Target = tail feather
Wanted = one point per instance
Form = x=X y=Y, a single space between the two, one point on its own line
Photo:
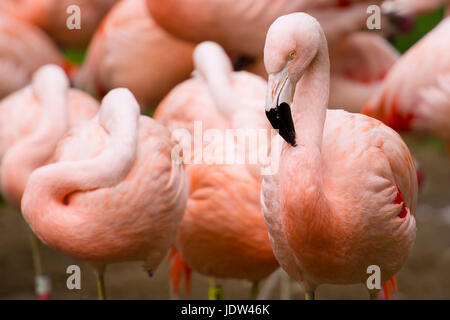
x=179 y=267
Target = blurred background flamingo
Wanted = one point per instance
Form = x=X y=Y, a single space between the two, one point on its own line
x=414 y=97
x=346 y=192
x=52 y=15
x=129 y=49
x=240 y=26
x=23 y=49
x=33 y=120
x=93 y=203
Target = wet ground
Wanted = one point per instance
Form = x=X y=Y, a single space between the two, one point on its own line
x=426 y=274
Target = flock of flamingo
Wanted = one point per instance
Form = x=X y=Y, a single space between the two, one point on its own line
x=97 y=181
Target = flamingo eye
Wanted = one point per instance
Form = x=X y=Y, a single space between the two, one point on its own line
x=291 y=55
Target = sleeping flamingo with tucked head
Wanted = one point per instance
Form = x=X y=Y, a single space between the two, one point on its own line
x=346 y=191
x=114 y=193
x=223 y=233
x=418 y=98
x=33 y=120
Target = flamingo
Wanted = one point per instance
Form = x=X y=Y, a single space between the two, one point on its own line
x=418 y=98
x=23 y=49
x=222 y=234
x=129 y=49
x=113 y=192
x=345 y=195
x=33 y=120
x=240 y=26
x=52 y=16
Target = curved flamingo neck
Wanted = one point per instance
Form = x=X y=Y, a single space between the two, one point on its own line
x=50 y=86
x=119 y=117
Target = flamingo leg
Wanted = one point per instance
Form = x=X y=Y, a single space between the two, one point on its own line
x=269 y=285
x=215 y=292
x=285 y=286
x=101 y=286
x=310 y=295
x=254 y=290
x=42 y=282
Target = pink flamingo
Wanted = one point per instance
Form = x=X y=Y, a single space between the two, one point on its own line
x=23 y=49
x=113 y=192
x=52 y=16
x=223 y=233
x=418 y=98
x=33 y=120
x=345 y=194
x=240 y=26
x=130 y=50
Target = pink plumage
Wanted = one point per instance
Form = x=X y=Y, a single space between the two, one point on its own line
x=33 y=121
x=223 y=233
x=52 y=16
x=24 y=48
x=130 y=50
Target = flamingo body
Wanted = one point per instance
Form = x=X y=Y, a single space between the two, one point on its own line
x=130 y=50
x=416 y=94
x=23 y=49
x=52 y=16
x=359 y=63
x=240 y=26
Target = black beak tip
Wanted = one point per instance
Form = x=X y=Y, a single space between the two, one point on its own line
x=281 y=119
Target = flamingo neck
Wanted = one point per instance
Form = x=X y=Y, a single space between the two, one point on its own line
x=309 y=112
x=105 y=170
x=218 y=80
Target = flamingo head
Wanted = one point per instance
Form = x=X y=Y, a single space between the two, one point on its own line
x=292 y=43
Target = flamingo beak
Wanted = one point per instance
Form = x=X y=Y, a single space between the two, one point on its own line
x=278 y=105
